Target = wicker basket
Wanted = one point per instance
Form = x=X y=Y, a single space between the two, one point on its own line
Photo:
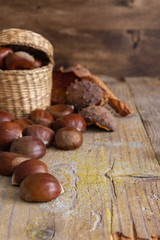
x=22 y=91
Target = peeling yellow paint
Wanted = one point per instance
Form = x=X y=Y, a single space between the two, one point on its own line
x=36 y=230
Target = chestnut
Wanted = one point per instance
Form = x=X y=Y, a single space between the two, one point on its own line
x=19 y=60
x=9 y=161
x=27 y=168
x=71 y=120
x=38 y=63
x=6 y=116
x=45 y=134
x=40 y=187
x=23 y=122
x=30 y=146
x=68 y=138
x=9 y=131
x=4 y=52
x=60 y=110
x=41 y=117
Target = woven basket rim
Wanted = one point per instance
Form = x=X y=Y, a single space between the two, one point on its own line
x=17 y=40
x=26 y=71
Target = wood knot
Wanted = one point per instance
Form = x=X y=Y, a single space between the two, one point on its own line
x=135 y=37
x=127 y=3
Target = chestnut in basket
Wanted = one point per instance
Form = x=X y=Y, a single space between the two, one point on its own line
x=45 y=134
x=40 y=187
x=6 y=116
x=19 y=60
x=60 y=110
x=68 y=138
x=38 y=63
x=27 y=168
x=4 y=52
x=9 y=131
x=71 y=120
x=30 y=146
x=41 y=117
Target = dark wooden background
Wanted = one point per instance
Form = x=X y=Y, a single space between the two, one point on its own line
x=115 y=37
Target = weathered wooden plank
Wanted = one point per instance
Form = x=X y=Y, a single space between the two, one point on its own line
x=110 y=37
x=133 y=155
x=91 y=206
x=112 y=52
x=90 y=14
x=138 y=200
x=146 y=93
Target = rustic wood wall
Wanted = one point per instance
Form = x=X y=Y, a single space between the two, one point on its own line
x=114 y=37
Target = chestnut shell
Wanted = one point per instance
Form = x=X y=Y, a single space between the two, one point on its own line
x=99 y=116
x=83 y=93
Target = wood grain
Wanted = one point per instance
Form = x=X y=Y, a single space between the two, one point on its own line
x=110 y=181
x=147 y=100
x=137 y=200
x=80 y=14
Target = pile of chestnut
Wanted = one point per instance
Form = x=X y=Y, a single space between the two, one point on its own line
x=17 y=60
x=23 y=141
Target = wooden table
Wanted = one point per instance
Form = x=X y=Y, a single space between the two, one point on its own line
x=112 y=180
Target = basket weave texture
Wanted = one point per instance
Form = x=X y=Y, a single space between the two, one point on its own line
x=22 y=91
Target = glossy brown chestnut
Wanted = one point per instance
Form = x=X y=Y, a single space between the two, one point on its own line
x=38 y=63
x=30 y=146
x=27 y=168
x=68 y=138
x=9 y=161
x=9 y=131
x=60 y=110
x=6 y=116
x=4 y=52
x=19 y=60
x=24 y=122
x=40 y=187
x=41 y=117
x=45 y=134
x=71 y=120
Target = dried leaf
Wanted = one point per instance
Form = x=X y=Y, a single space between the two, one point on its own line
x=113 y=101
x=61 y=80
x=78 y=70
